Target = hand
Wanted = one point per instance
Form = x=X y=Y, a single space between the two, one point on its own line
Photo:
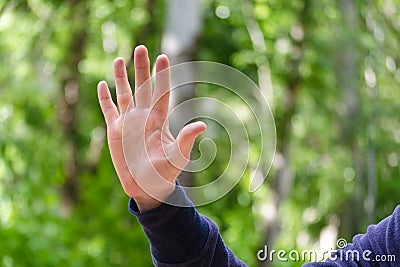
x=153 y=158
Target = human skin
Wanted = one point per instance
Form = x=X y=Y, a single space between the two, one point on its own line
x=155 y=158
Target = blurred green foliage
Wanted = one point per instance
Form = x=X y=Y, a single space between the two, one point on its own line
x=60 y=200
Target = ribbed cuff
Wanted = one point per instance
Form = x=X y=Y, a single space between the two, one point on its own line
x=176 y=234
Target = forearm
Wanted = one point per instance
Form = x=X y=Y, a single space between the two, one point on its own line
x=175 y=233
x=180 y=236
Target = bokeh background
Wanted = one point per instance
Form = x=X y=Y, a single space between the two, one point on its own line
x=330 y=70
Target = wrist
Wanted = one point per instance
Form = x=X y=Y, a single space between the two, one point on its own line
x=147 y=202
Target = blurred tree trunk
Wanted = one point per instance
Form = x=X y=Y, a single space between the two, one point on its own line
x=284 y=176
x=69 y=78
x=371 y=169
x=370 y=201
x=348 y=81
x=183 y=25
x=259 y=46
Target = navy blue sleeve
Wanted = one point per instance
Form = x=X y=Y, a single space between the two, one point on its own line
x=180 y=236
x=379 y=246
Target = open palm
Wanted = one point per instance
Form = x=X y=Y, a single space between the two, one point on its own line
x=146 y=157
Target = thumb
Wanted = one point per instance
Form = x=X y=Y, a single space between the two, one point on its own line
x=187 y=136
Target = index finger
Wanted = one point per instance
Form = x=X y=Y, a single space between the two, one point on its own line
x=124 y=92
